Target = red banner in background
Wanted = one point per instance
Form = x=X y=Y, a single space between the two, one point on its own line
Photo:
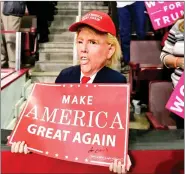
x=81 y=123
x=163 y=14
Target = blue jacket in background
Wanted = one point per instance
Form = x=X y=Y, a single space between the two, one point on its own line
x=14 y=8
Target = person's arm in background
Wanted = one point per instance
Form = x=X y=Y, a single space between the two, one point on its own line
x=167 y=57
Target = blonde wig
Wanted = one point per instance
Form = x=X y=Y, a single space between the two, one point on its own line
x=181 y=26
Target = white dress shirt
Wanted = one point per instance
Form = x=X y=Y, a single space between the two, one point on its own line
x=91 y=80
x=121 y=4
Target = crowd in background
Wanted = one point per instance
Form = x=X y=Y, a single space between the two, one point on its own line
x=11 y=18
x=44 y=11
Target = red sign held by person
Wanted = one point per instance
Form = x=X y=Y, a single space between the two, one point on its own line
x=163 y=14
x=76 y=122
x=176 y=102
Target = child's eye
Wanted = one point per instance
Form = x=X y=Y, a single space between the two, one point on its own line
x=92 y=42
x=79 y=41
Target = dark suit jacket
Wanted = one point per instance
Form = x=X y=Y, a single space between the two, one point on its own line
x=105 y=75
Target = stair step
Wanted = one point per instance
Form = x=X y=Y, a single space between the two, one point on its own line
x=65 y=18
x=57 y=30
x=56 y=50
x=51 y=66
x=56 y=45
x=63 y=21
x=70 y=12
x=56 y=56
x=67 y=4
x=75 y=11
x=62 y=61
x=74 y=5
x=17 y=107
x=44 y=77
x=42 y=74
x=95 y=7
x=63 y=37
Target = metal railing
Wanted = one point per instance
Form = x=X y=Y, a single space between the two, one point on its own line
x=18 y=51
x=17 y=47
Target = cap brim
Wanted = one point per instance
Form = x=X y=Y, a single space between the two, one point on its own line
x=74 y=27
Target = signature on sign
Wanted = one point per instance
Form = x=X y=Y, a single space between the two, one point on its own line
x=97 y=150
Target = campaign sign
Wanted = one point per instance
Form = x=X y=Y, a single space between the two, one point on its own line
x=163 y=14
x=86 y=123
x=176 y=102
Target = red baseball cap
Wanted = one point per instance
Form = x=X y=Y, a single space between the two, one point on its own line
x=97 y=20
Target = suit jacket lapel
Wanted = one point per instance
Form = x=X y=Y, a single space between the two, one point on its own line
x=76 y=74
x=100 y=77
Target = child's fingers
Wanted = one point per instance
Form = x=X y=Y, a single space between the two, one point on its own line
x=115 y=164
x=13 y=147
x=111 y=167
x=17 y=146
x=123 y=169
x=128 y=163
x=21 y=147
x=26 y=151
x=119 y=167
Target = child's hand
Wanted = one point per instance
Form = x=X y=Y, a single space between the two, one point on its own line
x=19 y=147
x=117 y=167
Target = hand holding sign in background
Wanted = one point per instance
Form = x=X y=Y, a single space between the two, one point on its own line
x=82 y=123
x=163 y=14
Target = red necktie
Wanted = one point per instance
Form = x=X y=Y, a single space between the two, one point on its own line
x=85 y=79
